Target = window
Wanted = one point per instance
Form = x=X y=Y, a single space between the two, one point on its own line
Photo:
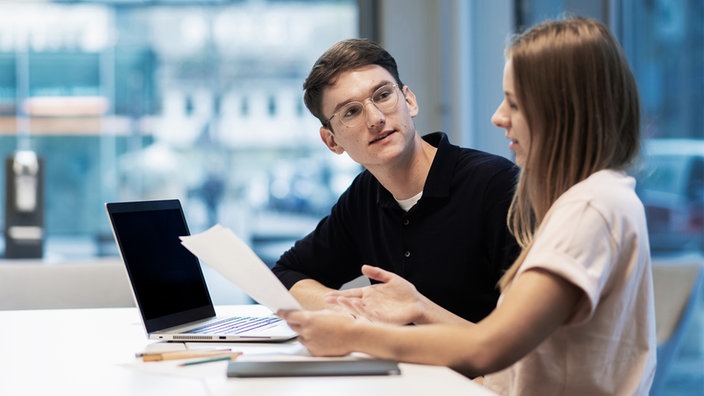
x=664 y=43
x=196 y=100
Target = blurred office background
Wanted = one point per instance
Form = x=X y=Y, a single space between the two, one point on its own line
x=201 y=100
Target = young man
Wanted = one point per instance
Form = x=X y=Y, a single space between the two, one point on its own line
x=424 y=209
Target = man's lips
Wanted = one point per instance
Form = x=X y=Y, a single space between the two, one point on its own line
x=381 y=137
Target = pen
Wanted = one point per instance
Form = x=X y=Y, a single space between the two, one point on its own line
x=155 y=357
x=228 y=356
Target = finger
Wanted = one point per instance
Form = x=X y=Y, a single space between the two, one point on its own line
x=341 y=305
x=330 y=299
x=352 y=305
x=334 y=300
x=377 y=273
x=356 y=292
x=292 y=317
x=358 y=309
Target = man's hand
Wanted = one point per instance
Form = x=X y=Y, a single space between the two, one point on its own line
x=393 y=301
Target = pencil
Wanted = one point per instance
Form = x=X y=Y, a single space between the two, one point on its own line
x=156 y=357
x=228 y=356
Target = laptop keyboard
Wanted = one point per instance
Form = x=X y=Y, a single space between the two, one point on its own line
x=235 y=325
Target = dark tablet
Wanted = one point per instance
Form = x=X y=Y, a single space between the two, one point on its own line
x=312 y=368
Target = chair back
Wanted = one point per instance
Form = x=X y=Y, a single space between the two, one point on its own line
x=100 y=283
x=677 y=286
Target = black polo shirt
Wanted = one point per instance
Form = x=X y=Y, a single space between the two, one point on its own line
x=453 y=245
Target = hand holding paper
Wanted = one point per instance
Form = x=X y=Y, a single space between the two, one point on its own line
x=221 y=249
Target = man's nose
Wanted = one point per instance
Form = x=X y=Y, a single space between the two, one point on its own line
x=372 y=114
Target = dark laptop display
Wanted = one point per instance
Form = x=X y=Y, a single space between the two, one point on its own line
x=167 y=280
x=166 y=277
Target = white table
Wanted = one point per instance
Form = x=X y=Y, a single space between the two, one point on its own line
x=92 y=352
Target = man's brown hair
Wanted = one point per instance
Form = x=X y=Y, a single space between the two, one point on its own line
x=343 y=56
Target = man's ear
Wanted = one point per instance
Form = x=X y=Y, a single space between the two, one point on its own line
x=328 y=138
x=411 y=101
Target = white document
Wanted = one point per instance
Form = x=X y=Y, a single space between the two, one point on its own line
x=221 y=249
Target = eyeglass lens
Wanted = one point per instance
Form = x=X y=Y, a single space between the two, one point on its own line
x=384 y=98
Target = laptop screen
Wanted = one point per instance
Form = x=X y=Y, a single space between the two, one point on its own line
x=167 y=279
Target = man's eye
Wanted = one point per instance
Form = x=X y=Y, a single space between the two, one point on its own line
x=351 y=112
x=382 y=95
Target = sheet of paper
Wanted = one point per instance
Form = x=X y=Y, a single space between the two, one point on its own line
x=221 y=249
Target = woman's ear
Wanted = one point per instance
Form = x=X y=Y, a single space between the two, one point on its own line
x=328 y=138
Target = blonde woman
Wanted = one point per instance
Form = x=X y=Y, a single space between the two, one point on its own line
x=576 y=313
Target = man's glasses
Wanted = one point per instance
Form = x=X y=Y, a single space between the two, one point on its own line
x=352 y=114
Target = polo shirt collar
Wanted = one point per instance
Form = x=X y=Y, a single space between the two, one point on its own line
x=437 y=185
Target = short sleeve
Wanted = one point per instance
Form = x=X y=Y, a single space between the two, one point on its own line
x=575 y=244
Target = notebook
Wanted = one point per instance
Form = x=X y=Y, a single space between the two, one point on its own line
x=167 y=280
x=312 y=368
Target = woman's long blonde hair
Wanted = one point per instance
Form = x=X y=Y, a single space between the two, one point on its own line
x=581 y=103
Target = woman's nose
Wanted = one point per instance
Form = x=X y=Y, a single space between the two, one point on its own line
x=499 y=118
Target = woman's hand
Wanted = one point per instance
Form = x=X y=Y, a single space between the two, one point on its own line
x=324 y=333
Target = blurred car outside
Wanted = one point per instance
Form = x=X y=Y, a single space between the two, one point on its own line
x=670 y=182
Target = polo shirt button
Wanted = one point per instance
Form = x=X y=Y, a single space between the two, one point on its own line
x=406 y=222
x=407 y=254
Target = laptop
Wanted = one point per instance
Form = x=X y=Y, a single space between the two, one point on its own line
x=168 y=283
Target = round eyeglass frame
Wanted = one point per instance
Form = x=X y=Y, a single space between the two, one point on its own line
x=361 y=104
